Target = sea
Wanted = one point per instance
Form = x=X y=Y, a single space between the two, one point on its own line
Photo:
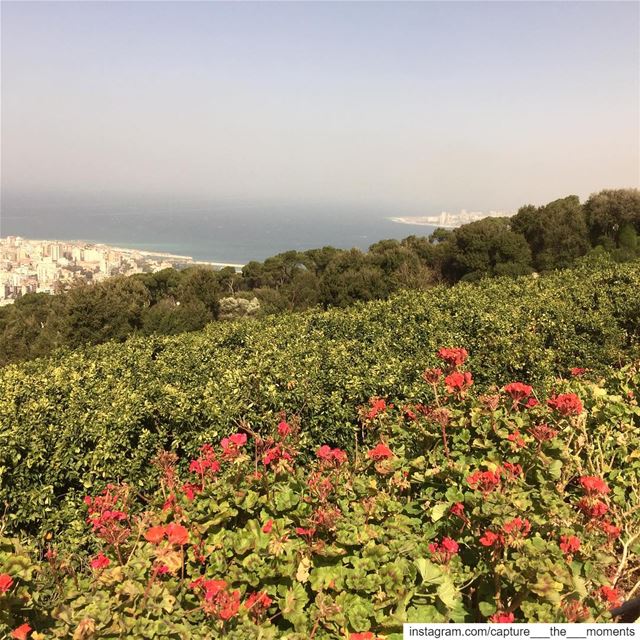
x=227 y=232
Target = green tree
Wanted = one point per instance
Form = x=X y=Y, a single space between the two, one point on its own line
x=556 y=233
x=486 y=247
x=610 y=211
x=351 y=277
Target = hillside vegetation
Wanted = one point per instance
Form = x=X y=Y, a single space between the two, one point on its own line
x=70 y=423
x=541 y=239
x=454 y=506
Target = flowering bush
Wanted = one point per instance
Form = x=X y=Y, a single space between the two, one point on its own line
x=449 y=507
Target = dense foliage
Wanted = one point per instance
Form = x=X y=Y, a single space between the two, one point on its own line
x=537 y=238
x=453 y=506
x=71 y=423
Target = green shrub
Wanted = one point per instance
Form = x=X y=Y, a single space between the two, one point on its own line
x=71 y=422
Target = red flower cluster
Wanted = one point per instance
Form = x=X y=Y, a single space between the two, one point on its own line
x=380 y=452
x=517 y=439
x=454 y=356
x=443 y=552
x=610 y=595
x=514 y=470
x=106 y=514
x=206 y=466
x=609 y=529
x=218 y=601
x=100 y=561
x=331 y=456
x=566 y=404
x=518 y=391
x=175 y=533
x=305 y=533
x=569 y=544
x=231 y=445
x=284 y=429
x=364 y=635
x=458 y=382
x=543 y=432
x=275 y=455
x=594 y=485
x=378 y=405
x=257 y=604
x=489 y=539
x=502 y=616
x=576 y=372
x=592 y=507
x=485 y=481
x=517 y=528
x=6 y=581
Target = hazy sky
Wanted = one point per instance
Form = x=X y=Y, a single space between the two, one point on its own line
x=416 y=106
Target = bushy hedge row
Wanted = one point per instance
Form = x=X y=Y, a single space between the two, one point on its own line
x=70 y=422
x=464 y=507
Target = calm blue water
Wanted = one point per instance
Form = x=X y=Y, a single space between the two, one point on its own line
x=228 y=232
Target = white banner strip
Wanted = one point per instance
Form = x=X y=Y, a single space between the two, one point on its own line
x=531 y=631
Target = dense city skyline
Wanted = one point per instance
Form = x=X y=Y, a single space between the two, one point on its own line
x=423 y=106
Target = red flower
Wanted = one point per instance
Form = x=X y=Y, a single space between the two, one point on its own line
x=177 y=534
x=569 y=544
x=517 y=439
x=228 y=604
x=331 y=456
x=257 y=603
x=502 y=617
x=445 y=550
x=576 y=372
x=610 y=595
x=486 y=481
x=593 y=485
x=231 y=445
x=308 y=533
x=100 y=561
x=5 y=582
x=378 y=405
x=432 y=376
x=490 y=538
x=154 y=535
x=206 y=464
x=611 y=530
x=284 y=429
x=592 y=508
x=190 y=490
x=267 y=526
x=380 y=452
x=566 y=404
x=212 y=588
x=450 y=545
x=513 y=468
x=363 y=635
x=274 y=455
x=531 y=402
x=458 y=509
x=454 y=357
x=21 y=632
x=518 y=391
x=517 y=528
x=458 y=382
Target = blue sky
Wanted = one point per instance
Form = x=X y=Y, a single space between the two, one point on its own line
x=418 y=106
